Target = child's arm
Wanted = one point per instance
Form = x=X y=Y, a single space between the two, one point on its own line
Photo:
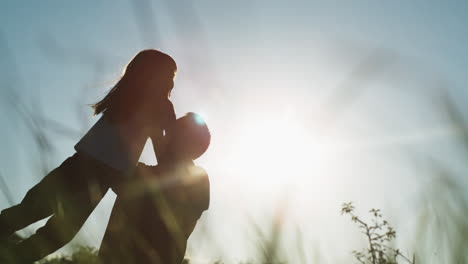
x=157 y=139
x=162 y=134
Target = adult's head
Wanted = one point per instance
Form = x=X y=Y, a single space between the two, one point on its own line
x=148 y=77
x=190 y=137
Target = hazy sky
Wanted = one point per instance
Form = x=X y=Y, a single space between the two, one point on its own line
x=316 y=101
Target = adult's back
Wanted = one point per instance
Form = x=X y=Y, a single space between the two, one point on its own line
x=153 y=217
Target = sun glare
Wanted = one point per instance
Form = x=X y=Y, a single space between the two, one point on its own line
x=276 y=152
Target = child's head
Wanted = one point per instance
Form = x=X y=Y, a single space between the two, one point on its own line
x=190 y=137
x=148 y=77
x=152 y=70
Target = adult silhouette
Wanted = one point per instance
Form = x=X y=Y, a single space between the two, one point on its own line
x=156 y=211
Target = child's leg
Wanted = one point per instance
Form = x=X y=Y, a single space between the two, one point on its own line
x=36 y=205
x=58 y=231
x=70 y=193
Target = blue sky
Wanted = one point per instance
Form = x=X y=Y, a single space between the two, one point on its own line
x=250 y=67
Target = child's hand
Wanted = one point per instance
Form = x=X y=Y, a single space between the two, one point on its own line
x=168 y=109
x=168 y=122
x=162 y=137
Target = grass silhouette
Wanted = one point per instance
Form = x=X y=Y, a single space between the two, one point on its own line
x=379 y=235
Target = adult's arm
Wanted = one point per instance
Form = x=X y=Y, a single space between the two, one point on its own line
x=198 y=200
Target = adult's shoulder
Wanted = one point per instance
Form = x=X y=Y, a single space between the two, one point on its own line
x=200 y=174
x=201 y=186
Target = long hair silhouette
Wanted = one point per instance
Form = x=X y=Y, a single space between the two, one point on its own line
x=133 y=88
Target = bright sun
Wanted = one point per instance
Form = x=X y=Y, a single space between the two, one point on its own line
x=275 y=152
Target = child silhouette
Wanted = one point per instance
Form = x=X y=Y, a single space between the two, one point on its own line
x=135 y=109
x=156 y=211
